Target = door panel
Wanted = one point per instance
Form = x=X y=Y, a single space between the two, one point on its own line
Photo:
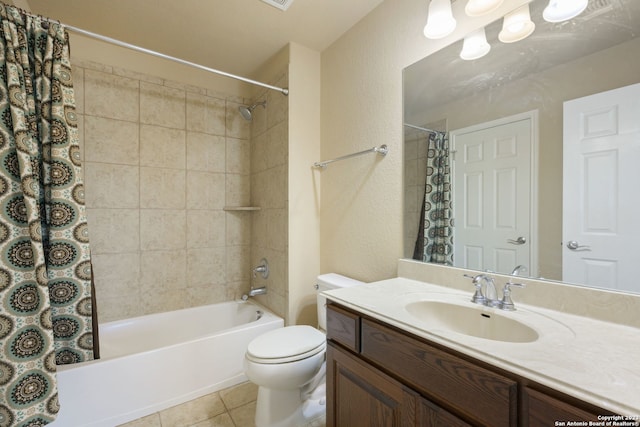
x=601 y=153
x=492 y=184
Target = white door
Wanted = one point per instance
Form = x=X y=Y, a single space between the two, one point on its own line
x=492 y=195
x=601 y=203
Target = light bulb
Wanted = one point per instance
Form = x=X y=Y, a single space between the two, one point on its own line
x=440 y=22
x=517 y=25
x=563 y=10
x=475 y=45
x=482 y=7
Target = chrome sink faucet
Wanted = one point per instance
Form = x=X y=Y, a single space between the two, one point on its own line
x=519 y=269
x=490 y=295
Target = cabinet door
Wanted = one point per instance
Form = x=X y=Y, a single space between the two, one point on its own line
x=431 y=415
x=361 y=396
x=543 y=410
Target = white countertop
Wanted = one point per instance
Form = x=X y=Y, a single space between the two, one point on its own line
x=592 y=360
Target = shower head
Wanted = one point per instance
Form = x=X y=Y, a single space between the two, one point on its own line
x=247 y=111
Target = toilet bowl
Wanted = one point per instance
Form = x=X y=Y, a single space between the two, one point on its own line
x=287 y=364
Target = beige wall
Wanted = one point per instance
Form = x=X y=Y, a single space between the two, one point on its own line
x=362 y=207
x=161 y=161
x=269 y=183
x=284 y=143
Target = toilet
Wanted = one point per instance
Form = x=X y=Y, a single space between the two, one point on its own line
x=288 y=365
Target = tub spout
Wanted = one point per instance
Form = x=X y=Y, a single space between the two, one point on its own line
x=257 y=291
x=254 y=291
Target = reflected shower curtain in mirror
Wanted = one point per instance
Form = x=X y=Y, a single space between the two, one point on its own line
x=435 y=231
x=45 y=266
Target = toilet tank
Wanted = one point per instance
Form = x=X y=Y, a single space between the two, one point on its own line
x=327 y=282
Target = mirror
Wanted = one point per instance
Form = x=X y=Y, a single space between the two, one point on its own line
x=595 y=52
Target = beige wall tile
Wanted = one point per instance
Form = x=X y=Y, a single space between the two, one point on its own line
x=123 y=306
x=206 y=114
x=161 y=161
x=206 y=266
x=162 y=188
x=106 y=95
x=238 y=228
x=111 y=141
x=238 y=190
x=114 y=230
x=162 y=106
x=277 y=145
x=238 y=156
x=239 y=264
x=237 y=127
x=210 y=294
x=162 y=147
x=205 y=152
x=205 y=190
x=205 y=229
x=163 y=271
x=259 y=153
x=116 y=274
x=158 y=301
x=78 y=88
x=111 y=186
x=162 y=229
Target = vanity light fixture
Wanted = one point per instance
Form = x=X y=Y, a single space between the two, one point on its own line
x=481 y=7
x=563 y=10
x=517 y=25
x=475 y=45
x=440 y=22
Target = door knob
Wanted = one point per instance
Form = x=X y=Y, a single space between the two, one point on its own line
x=519 y=241
x=574 y=246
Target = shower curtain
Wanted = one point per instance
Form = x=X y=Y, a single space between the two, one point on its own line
x=45 y=268
x=435 y=230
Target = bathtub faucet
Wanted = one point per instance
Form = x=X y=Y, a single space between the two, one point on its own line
x=263 y=269
x=255 y=291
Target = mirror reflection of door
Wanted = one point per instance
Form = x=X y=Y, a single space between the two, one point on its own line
x=601 y=164
x=492 y=195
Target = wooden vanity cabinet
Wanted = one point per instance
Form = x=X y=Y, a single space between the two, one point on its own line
x=378 y=375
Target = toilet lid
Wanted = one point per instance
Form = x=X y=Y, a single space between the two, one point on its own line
x=286 y=344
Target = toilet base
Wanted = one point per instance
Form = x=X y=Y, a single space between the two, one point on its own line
x=285 y=408
x=278 y=408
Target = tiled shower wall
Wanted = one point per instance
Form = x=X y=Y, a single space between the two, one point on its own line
x=161 y=161
x=269 y=191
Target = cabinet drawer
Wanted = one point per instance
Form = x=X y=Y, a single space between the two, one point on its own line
x=343 y=327
x=543 y=410
x=475 y=393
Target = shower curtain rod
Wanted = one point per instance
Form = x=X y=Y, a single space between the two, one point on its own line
x=424 y=129
x=284 y=91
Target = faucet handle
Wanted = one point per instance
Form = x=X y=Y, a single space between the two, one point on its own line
x=506 y=303
x=477 y=297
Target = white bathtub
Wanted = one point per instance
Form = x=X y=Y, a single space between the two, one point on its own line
x=154 y=362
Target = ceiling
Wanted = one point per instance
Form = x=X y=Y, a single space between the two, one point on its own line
x=235 y=36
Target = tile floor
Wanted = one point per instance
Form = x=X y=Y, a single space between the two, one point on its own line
x=231 y=407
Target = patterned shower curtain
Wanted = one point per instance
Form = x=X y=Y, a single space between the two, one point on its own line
x=45 y=267
x=435 y=231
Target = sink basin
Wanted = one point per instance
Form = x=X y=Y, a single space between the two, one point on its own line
x=477 y=321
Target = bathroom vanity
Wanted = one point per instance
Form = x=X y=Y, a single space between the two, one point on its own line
x=392 y=362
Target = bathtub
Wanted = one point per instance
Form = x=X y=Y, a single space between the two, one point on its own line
x=154 y=362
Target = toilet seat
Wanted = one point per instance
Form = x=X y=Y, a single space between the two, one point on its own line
x=288 y=344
